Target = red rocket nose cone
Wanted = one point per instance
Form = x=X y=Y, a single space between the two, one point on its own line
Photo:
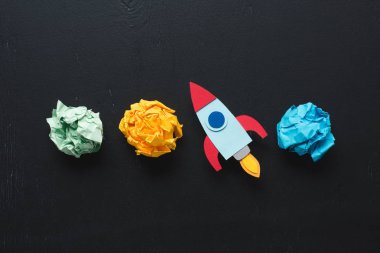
x=200 y=96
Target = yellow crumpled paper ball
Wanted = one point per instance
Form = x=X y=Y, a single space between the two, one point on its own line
x=151 y=127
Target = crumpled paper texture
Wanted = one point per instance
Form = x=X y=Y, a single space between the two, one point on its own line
x=75 y=130
x=151 y=127
x=305 y=129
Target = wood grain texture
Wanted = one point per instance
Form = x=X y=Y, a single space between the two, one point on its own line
x=10 y=175
x=136 y=12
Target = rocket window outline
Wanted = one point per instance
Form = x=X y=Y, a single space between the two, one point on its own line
x=214 y=123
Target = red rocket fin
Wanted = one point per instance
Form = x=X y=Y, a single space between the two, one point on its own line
x=211 y=154
x=250 y=124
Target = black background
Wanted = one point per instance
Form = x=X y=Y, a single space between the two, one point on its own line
x=258 y=57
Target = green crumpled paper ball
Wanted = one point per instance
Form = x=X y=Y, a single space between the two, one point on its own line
x=75 y=130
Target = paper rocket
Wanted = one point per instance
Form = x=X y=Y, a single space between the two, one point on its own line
x=226 y=134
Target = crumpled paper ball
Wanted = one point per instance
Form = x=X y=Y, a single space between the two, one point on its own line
x=75 y=130
x=305 y=129
x=151 y=127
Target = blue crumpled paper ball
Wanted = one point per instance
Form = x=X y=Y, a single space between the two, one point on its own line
x=305 y=129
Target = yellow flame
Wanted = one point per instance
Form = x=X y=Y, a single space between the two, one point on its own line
x=251 y=165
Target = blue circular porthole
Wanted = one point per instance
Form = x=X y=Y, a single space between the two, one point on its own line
x=216 y=121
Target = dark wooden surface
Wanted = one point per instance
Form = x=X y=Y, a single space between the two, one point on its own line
x=258 y=57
